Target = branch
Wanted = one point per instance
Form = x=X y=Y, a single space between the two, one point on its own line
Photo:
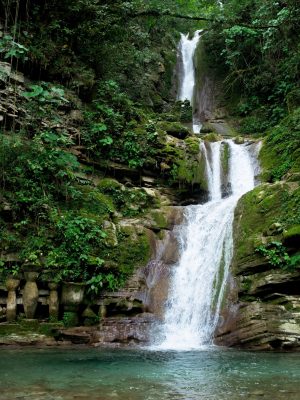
x=167 y=13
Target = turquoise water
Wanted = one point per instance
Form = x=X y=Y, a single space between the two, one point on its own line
x=101 y=374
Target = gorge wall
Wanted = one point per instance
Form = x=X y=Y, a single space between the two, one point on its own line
x=263 y=307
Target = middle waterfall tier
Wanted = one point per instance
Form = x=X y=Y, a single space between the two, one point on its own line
x=206 y=245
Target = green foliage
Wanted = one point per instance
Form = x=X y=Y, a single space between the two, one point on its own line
x=37 y=172
x=46 y=93
x=130 y=202
x=9 y=270
x=9 y=48
x=277 y=255
x=75 y=247
x=255 y=45
x=69 y=319
x=111 y=128
x=103 y=280
x=280 y=153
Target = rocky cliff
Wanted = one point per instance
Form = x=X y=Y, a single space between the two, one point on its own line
x=263 y=307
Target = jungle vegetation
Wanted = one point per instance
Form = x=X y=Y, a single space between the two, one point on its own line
x=110 y=65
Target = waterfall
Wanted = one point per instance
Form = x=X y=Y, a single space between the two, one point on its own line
x=206 y=247
x=187 y=48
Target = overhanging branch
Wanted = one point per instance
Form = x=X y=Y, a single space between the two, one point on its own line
x=167 y=13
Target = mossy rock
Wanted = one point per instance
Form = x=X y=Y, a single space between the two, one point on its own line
x=133 y=250
x=95 y=202
x=225 y=156
x=111 y=234
x=267 y=213
x=239 y=140
x=175 y=129
x=292 y=236
x=206 y=128
x=160 y=219
x=108 y=184
x=212 y=137
x=193 y=144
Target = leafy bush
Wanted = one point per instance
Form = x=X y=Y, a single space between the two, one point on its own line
x=277 y=255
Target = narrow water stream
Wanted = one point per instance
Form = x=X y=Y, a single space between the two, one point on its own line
x=186 y=51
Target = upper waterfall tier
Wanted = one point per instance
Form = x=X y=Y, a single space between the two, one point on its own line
x=206 y=247
x=187 y=48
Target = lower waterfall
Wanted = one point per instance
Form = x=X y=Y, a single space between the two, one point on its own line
x=206 y=247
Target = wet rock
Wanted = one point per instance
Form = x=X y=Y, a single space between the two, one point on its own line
x=124 y=331
x=260 y=326
x=206 y=128
x=274 y=229
x=239 y=140
x=264 y=312
x=212 y=137
x=79 y=335
x=111 y=239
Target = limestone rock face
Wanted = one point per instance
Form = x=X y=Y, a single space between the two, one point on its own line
x=264 y=326
x=263 y=312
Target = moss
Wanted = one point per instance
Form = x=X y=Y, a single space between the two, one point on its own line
x=133 y=251
x=185 y=162
x=27 y=327
x=29 y=324
x=94 y=201
x=174 y=129
x=239 y=140
x=108 y=184
x=212 y=137
x=193 y=144
x=246 y=284
x=293 y=232
x=266 y=206
x=225 y=155
x=160 y=219
x=9 y=329
x=280 y=152
x=192 y=171
x=130 y=202
x=70 y=319
x=49 y=328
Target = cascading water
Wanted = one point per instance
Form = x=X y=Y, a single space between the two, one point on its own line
x=187 y=48
x=206 y=247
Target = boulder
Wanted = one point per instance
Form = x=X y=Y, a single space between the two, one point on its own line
x=175 y=129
